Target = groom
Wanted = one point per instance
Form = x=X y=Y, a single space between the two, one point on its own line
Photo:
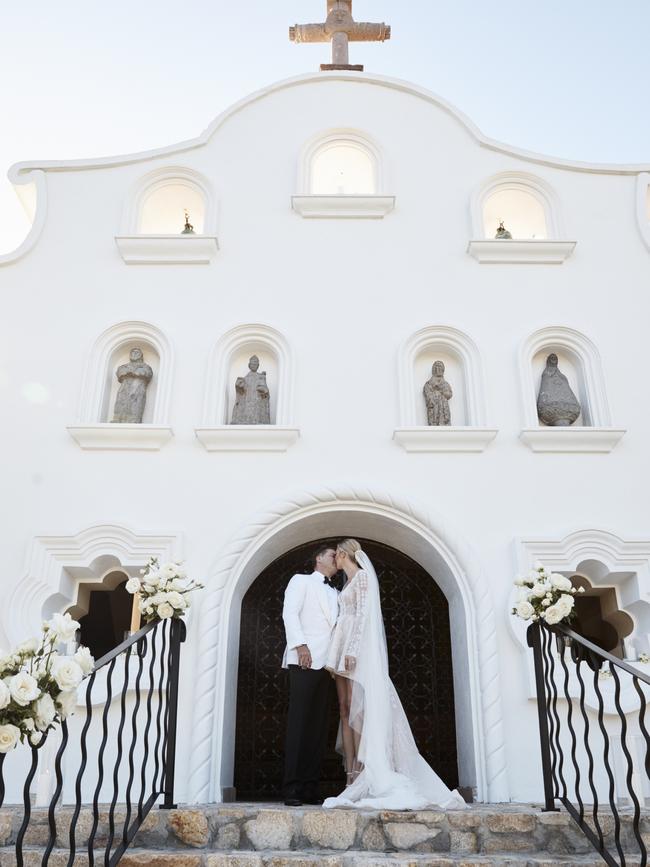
x=309 y=613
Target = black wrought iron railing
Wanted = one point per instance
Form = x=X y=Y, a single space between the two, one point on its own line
x=590 y=760
x=123 y=755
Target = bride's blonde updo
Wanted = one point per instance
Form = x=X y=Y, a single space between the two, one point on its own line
x=350 y=547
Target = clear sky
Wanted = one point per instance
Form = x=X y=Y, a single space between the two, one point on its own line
x=83 y=78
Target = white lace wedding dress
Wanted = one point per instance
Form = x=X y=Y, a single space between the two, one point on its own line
x=394 y=775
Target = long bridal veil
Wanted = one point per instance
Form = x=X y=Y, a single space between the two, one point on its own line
x=394 y=775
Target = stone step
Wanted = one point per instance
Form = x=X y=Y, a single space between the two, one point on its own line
x=324 y=858
x=271 y=835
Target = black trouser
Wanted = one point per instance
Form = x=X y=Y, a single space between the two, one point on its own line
x=306 y=731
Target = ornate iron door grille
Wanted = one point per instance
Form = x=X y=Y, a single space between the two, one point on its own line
x=416 y=617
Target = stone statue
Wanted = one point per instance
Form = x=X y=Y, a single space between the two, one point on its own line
x=557 y=405
x=134 y=378
x=252 y=405
x=502 y=233
x=437 y=394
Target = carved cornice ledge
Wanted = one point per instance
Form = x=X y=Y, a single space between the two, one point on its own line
x=444 y=438
x=136 y=437
x=167 y=249
x=247 y=438
x=571 y=439
x=343 y=207
x=514 y=252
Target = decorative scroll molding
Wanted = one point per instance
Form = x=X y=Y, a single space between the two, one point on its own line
x=58 y=564
x=244 y=557
x=606 y=560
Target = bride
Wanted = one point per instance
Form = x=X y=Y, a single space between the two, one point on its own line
x=384 y=769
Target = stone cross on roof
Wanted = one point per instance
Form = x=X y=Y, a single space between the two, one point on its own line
x=339 y=29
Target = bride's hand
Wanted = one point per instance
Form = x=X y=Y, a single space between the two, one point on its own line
x=350 y=663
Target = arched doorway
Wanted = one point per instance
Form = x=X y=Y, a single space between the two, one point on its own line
x=416 y=617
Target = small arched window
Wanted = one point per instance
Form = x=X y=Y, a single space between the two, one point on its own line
x=167 y=207
x=518 y=209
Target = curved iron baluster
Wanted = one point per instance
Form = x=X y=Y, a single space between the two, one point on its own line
x=572 y=732
x=57 y=793
x=165 y=738
x=560 y=751
x=145 y=756
x=141 y=650
x=118 y=760
x=2 y=778
x=157 y=761
x=642 y=725
x=82 y=768
x=608 y=768
x=590 y=756
x=100 y=762
x=547 y=640
x=27 y=804
x=630 y=766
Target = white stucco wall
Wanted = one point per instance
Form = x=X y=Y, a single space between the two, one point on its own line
x=345 y=294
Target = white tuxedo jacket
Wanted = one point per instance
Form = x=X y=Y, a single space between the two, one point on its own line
x=309 y=613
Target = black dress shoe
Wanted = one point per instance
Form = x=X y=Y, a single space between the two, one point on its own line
x=313 y=801
x=292 y=802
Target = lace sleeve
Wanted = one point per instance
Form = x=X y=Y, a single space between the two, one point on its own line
x=360 y=599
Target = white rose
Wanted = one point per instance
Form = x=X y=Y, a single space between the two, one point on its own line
x=84 y=659
x=565 y=603
x=538 y=566
x=539 y=590
x=67 y=702
x=133 y=585
x=23 y=688
x=519 y=582
x=524 y=610
x=9 y=735
x=64 y=627
x=176 y=600
x=45 y=711
x=560 y=581
x=546 y=602
x=5 y=695
x=165 y=610
x=177 y=584
x=28 y=724
x=67 y=673
x=169 y=571
x=553 y=615
x=581 y=589
x=151 y=578
x=35 y=738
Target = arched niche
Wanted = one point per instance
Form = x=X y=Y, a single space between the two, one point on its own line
x=153 y=221
x=99 y=389
x=527 y=205
x=228 y=361
x=529 y=209
x=580 y=361
x=463 y=372
x=104 y=612
x=341 y=174
x=119 y=356
x=643 y=206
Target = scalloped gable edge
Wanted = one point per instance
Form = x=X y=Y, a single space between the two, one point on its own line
x=18 y=172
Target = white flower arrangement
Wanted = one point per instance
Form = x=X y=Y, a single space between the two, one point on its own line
x=644 y=659
x=38 y=685
x=546 y=596
x=163 y=590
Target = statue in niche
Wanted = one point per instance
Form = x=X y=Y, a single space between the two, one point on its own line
x=252 y=405
x=502 y=233
x=134 y=378
x=437 y=394
x=557 y=405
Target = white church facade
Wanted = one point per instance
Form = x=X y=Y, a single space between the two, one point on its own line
x=344 y=233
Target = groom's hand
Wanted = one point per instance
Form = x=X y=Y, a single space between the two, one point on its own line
x=304 y=656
